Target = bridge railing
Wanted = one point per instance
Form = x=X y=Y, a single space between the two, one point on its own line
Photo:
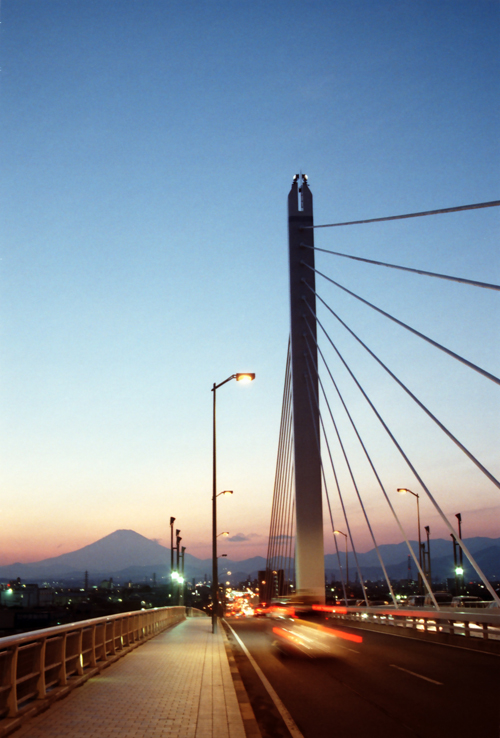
x=478 y=629
x=43 y=665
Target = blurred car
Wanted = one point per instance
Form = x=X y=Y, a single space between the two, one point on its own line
x=294 y=637
x=260 y=611
x=415 y=601
x=442 y=598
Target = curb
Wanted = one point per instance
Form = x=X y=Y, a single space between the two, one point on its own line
x=250 y=724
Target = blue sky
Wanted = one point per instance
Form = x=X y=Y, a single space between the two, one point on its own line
x=147 y=150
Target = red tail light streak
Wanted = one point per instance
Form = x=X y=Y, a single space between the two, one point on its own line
x=330 y=608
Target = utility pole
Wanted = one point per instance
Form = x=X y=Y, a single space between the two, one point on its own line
x=309 y=555
x=172 y=521
x=183 y=551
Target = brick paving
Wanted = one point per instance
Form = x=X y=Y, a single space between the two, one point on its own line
x=177 y=685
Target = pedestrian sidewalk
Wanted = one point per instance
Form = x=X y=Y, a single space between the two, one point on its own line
x=177 y=685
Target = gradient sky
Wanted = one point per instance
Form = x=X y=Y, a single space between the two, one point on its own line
x=147 y=151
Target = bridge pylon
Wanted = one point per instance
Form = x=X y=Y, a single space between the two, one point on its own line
x=309 y=548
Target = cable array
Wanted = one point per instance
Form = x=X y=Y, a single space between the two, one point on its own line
x=324 y=404
x=280 y=554
x=340 y=457
x=448 y=351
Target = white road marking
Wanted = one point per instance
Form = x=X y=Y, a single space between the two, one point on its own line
x=287 y=718
x=420 y=676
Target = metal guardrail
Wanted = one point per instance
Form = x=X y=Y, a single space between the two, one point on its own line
x=473 y=629
x=43 y=665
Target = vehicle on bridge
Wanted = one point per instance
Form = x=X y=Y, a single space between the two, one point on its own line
x=297 y=637
x=415 y=601
x=442 y=598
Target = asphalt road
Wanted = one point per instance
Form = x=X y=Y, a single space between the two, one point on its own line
x=384 y=686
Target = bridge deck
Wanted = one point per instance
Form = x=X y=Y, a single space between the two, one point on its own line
x=178 y=685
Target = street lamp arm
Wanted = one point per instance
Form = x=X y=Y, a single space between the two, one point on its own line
x=216 y=386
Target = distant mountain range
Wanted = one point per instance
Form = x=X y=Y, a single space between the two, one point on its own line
x=126 y=555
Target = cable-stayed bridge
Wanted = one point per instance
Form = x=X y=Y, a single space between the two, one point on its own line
x=366 y=416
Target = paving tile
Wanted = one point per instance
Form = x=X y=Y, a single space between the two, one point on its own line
x=177 y=685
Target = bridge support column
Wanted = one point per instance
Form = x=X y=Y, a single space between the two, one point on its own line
x=309 y=551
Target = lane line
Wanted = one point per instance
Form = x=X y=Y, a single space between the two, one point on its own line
x=413 y=673
x=287 y=718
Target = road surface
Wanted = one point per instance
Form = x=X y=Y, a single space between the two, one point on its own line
x=384 y=686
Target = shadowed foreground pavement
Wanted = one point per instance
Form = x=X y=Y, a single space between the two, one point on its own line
x=178 y=685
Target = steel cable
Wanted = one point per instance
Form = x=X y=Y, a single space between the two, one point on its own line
x=309 y=390
x=445 y=430
x=409 y=328
x=416 y=474
x=349 y=467
x=477 y=206
x=462 y=280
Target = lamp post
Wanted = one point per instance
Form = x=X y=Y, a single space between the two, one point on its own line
x=240 y=377
x=459 y=569
x=178 y=540
x=182 y=580
x=339 y=533
x=172 y=521
x=429 y=574
x=404 y=491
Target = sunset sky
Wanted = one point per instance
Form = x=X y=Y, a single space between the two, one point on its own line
x=147 y=151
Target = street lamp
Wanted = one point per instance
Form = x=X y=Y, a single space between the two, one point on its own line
x=178 y=540
x=339 y=533
x=172 y=521
x=240 y=377
x=182 y=579
x=460 y=569
x=429 y=574
x=404 y=491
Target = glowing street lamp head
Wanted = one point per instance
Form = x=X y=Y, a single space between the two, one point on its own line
x=403 y=490
x=245 y=377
